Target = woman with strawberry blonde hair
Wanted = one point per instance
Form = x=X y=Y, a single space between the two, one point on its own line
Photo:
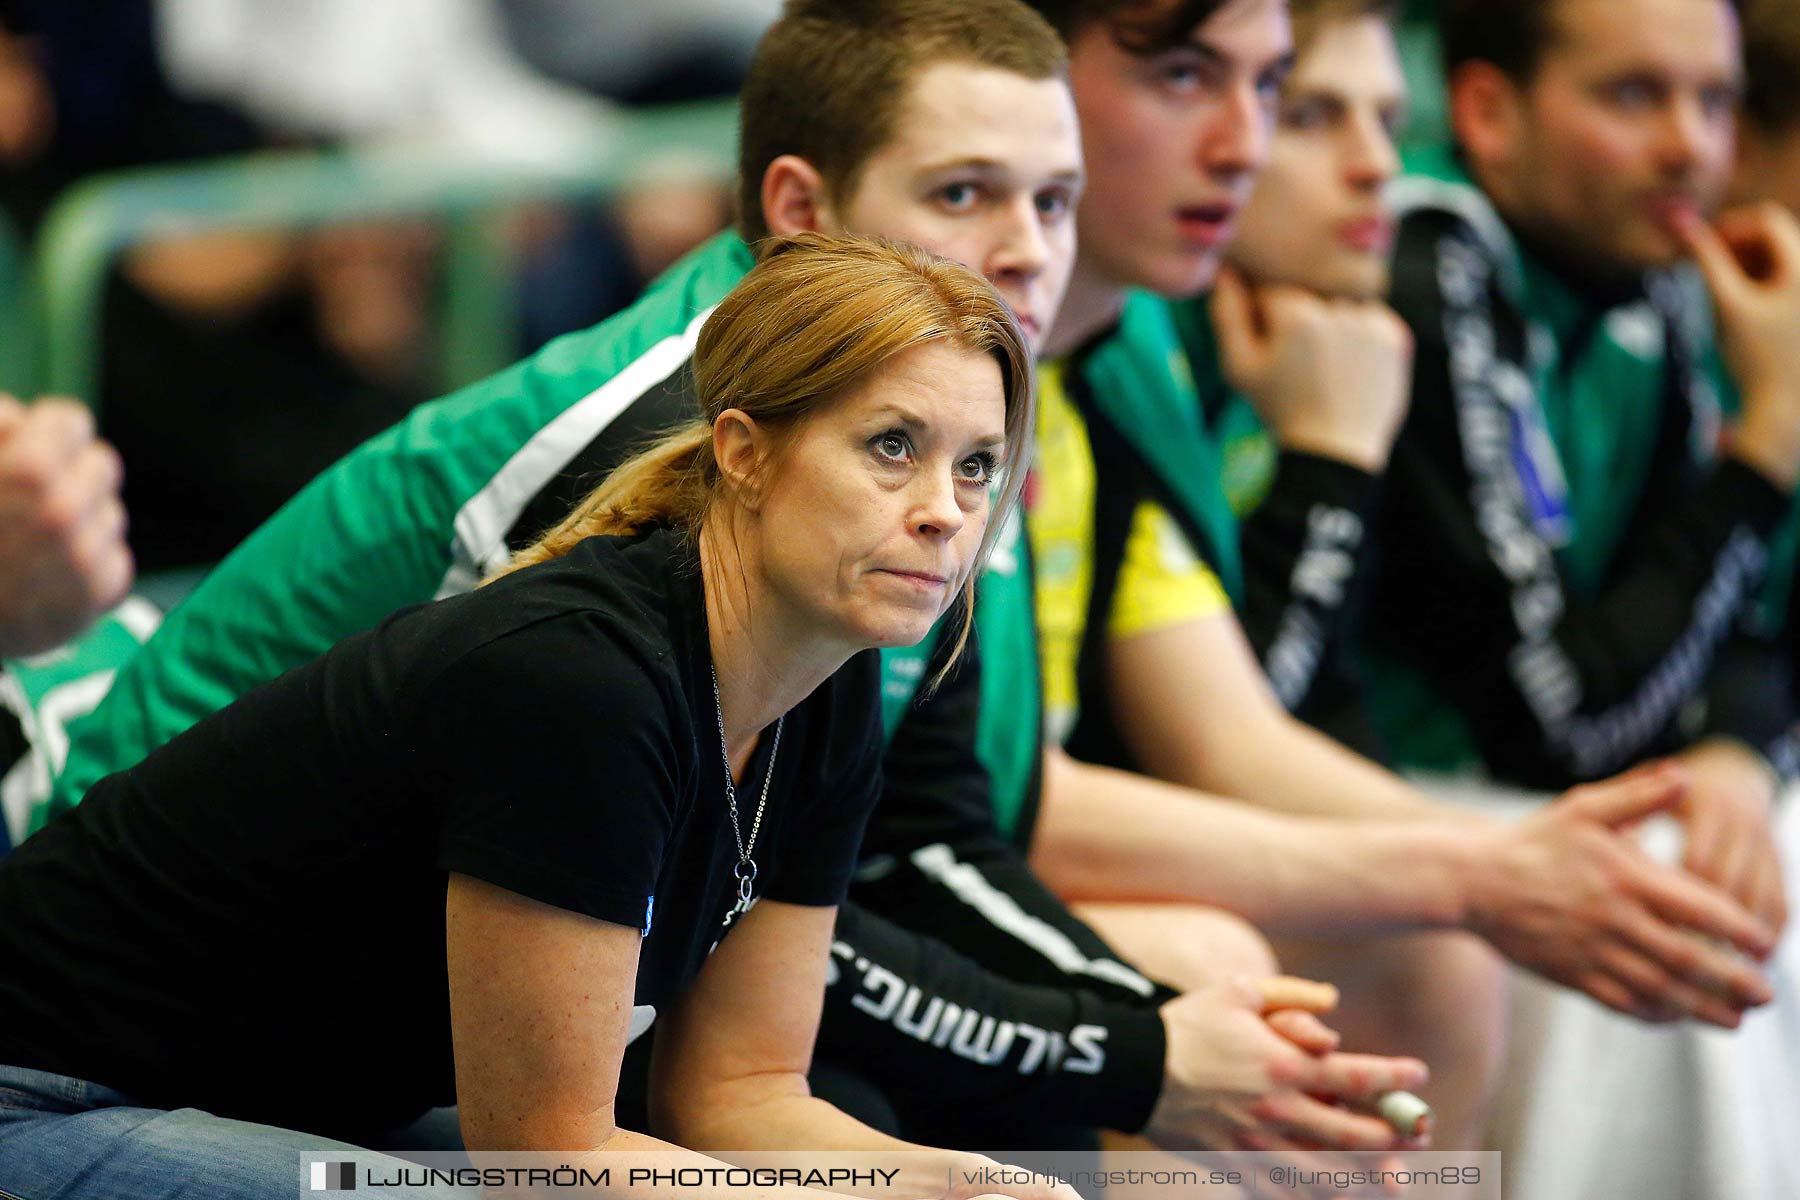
x=622 y=784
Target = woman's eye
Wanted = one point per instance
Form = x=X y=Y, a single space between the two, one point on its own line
x=892 y=446
x=978 y=469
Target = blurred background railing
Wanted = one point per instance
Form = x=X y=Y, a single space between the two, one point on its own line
x=250 y=236
x=105 y=216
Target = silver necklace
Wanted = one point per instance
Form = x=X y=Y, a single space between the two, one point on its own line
x=745 y=870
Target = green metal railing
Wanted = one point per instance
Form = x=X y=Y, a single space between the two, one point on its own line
x=102 y=217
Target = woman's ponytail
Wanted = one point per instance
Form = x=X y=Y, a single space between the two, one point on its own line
x=671 y=483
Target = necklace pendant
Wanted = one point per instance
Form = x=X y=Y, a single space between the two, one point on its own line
x=745 y=874
x=745 y=870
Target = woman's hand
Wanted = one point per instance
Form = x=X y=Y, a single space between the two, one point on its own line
x=1251 y=1067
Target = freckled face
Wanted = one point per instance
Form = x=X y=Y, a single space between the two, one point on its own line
x=876 y=509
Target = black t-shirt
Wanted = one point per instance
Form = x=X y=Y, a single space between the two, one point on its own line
x=251 y=921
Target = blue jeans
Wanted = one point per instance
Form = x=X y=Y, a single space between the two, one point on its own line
x=68 y=1139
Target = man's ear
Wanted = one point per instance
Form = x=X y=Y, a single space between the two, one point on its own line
x=1486 y=112
x=739 y=446
x=795 y=198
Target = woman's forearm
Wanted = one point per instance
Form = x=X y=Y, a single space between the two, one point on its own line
x=1106 y=835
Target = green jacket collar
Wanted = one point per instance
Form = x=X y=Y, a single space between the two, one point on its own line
x=1138 y=378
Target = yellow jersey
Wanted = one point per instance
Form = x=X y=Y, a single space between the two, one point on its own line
x=1162 y=581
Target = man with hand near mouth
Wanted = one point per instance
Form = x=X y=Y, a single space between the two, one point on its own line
x=1579 y=516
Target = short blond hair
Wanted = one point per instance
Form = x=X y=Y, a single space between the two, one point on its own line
x=829 y=78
